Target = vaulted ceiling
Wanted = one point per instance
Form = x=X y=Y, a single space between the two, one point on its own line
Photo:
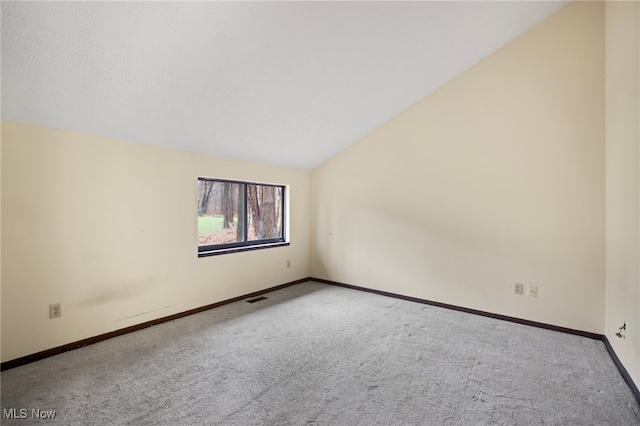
x=284 y=83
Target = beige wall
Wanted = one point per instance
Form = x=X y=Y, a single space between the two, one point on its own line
x=623 y=180
x=496 y=178
x=0 y=237
x=108 y=228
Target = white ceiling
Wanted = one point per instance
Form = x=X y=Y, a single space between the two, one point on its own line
x=285 y=83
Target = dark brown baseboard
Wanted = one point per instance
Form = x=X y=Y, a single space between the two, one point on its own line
x=467 y=310
x=76 y=345
x=623 y=371
x=91 y=340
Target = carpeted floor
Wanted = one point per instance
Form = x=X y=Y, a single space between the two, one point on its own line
x=314 y=354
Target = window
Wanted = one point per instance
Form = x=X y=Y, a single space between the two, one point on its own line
x=235 y=216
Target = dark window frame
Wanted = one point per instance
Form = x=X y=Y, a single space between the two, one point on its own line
x=245 y=245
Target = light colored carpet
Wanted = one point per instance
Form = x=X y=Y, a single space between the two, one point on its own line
x=314 y=354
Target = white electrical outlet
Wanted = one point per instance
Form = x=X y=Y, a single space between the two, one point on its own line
x=55 y=311
x=533 y=291
x=518 y=288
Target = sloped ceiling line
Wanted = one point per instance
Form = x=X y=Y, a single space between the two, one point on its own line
x=283 y=83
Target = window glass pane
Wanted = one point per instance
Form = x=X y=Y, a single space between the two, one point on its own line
x=264 y=212
x=219 y=212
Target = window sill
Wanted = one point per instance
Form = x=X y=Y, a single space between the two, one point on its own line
x=239 y=249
